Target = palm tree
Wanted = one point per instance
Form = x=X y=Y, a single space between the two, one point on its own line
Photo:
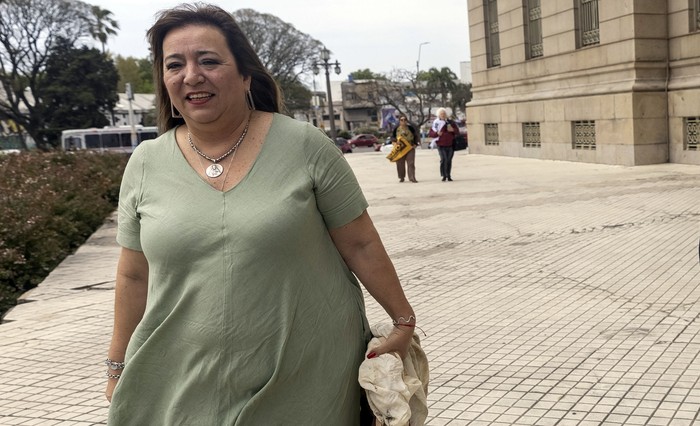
x=101 y=25
x=442 y=81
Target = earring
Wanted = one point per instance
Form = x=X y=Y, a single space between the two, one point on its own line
x=249 y=100
x=172 y=112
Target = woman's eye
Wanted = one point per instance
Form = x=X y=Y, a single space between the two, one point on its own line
x=172 y=66
x=209 y=62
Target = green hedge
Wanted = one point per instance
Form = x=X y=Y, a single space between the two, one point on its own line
x=50 y=203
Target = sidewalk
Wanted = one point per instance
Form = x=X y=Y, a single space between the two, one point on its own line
x=552 y=293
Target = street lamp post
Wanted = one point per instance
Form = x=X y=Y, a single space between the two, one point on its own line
x=327 y=65
x=418 y=61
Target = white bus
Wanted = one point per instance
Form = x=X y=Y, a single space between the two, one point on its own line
x=113 y=139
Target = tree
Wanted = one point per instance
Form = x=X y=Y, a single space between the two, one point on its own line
x=138 y=72
x=415 y=95
x=410 y=96
x=298 y=97
x=366 y=74
x=286 y=52
x=29 y=29
x=404 y=92
x=461 y=95
x=442 y=81
x=101 y=25
x=78 y=90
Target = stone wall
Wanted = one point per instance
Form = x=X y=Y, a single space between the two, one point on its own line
x=638 y=83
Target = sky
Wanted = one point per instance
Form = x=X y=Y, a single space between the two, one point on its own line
x=375 y=34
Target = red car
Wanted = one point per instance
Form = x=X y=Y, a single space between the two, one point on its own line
x=343 y=144
x=363 y=140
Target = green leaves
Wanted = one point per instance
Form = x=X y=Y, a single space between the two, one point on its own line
x=50 y=203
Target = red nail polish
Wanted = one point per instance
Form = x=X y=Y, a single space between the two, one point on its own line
x=371 y=355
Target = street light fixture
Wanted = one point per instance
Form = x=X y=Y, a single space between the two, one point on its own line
x=327 y=65
x=418 y=61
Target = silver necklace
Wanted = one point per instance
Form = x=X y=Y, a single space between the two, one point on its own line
x=215 y=170
x=223 y=183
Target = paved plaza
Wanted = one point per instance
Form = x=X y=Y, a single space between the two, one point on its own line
x=550 y=293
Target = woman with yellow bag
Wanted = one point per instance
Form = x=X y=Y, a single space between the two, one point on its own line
x=405 y=138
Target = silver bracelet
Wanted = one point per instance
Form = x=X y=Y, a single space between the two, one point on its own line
x=112 y=376
x=405 y=321
x=114 y=365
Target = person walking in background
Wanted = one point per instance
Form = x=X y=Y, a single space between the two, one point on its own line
x=444 y=130
x=244 y=233
x=405 y=138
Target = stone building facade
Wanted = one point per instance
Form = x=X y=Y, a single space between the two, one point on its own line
x=360 y=104
x=598 y=81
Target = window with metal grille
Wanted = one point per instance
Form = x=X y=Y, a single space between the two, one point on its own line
x=491 y=134
x=691 y=139
x=533 y=28
x=583 y=134
x=587 y=23
x=531 y=135
x=493 y=46
x=695 y=16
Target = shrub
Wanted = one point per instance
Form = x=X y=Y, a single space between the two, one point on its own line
x=368 y=130
x=50 y=203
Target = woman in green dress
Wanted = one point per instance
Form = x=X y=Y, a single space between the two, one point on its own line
x=244 y=234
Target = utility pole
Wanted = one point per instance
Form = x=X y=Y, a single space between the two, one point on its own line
x=326 y=64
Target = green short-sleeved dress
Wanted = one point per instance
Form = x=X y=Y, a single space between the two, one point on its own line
x=252 y=316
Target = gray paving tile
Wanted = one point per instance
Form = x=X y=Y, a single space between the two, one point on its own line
x=551 y=293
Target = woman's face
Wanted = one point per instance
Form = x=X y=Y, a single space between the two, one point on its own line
x=443 y=115
x=403 y=121
x=201 y=75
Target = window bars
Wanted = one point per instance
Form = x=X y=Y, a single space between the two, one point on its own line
x=491 y=130
x=583 y=134
x=531 y=135
x=533 y=28
x=587 y=22
x=493 y=46
x=691 y=139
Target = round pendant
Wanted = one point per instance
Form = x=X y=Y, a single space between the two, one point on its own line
x=214 y=171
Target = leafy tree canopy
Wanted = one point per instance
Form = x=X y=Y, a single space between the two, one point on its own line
x=29 y=30
x=286 y=52
x=417 y=95
x=101 y=25
x=440 y=81
x=138 y=72
x=461 y=95
x=366 y=74
x=78 y=89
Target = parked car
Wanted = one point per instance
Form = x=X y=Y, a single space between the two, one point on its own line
x=363 y=139
x=380 y=146
x=343 y=144
x=387 y=146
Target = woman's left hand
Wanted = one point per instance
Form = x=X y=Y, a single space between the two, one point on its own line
x=399 y=341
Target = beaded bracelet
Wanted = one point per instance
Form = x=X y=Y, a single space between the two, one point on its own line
x=112 y=376
x=114 y=365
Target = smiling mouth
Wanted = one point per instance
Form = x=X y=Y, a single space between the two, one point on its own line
x=199 y=96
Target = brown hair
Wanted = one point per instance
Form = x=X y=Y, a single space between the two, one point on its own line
x=266 y=92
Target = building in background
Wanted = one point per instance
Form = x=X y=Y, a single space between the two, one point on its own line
x=360 y=104
x=611 y=82
x=143 y=105
x=465 y=72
